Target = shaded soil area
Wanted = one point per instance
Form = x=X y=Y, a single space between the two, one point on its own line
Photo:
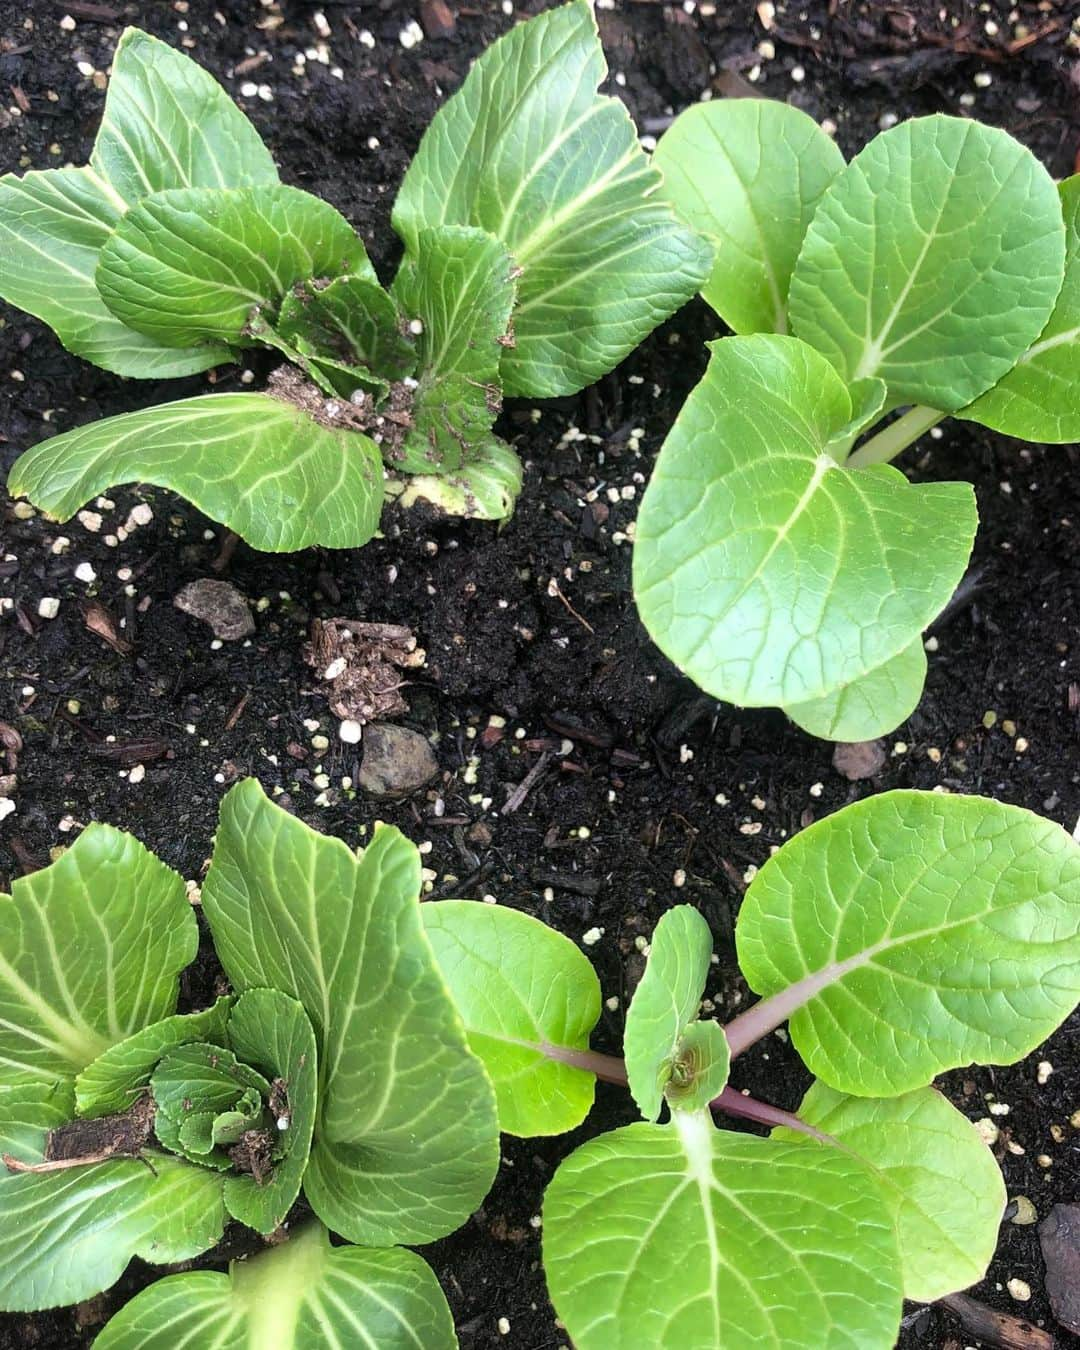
x=650 y=794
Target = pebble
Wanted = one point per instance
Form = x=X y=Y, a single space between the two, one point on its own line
x=219 y=605
x=1019 y=1289
x=859 y=759
x=350 y=731
x=396 y=761
x=48 y=607
x=84 y=572
x=1025 y=1211
x=6 y=807
x=1059 y=1238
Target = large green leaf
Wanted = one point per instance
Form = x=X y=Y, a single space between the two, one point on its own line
x=685 y=1237
x=525 y=993
x=939 y=1178
x=665 y=1004
x=1039 y=399
x=528 y=151
x=167 y=124
x=301 y=1295
x=765 y=570
x=747 y=173
x=460 y=287
x=933 y=261
x=195 y=264
x=271 y=1031
x=912 y=933
x=354 y=321
x=113 y=1080
x=871 y=706
x=69 y=1234
x=258 y=464
x=406 y=1140
x=91 y=948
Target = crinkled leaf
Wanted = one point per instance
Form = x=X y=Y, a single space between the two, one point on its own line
x=257 y=464
x=460 y=287
x=486 y=489
x=871 y=706
x=169 y=124
x=91 y=949
x=1039 y=399
x=69 y=1234
x=354 y=321
x=530 y=152
x=301 y=1295
x=272 y=1032
x=747 y=173
x=406 y=1137
x=763 y=569
x=699 y=1068
x=691 y=1238
x=113 y=1080
x=664 y=1004
x=193 y=1087
x=192 y=265
x=525 y=992
x=933 y=261
x=939 y=1178
x=914 y=933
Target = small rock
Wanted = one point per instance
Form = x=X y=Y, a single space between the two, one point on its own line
x=219 y=605
x=859 y=759
x=1024 y=1211
x=396 y=760
x=1059 y=1237
x=437 y=18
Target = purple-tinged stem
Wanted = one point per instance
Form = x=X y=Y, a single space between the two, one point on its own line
x=733 y=1103
x=609 y=1068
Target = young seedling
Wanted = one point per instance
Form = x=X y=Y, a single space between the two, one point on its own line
x=337 y=1069
x=779 y=560
x=901 y=937
x=537 y=255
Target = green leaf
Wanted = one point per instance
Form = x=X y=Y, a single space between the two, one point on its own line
x=91 y=948
x=301 y=1295
x=665 y=1003
x=169 y=124
x=525 y=993
x=684 y=1237
x=112 y=1081
x=353 y=320
x=528 y=151
x=933 y=261
x=27 y=1112
x=272 y=1032
x=460 y=288
x=406 y=1140
x=258 y=464
x=938 y=1176
x=747 y=173
x=1039 y=399
x=764 y=570
x=69 y=1234
x=867 y=403
x=193 y=265
x=193 y=1087
x=914 y=933
x=699 y=1068
x=484 y=490
x=871 y=706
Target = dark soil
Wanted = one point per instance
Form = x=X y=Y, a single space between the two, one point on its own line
x=661 y=779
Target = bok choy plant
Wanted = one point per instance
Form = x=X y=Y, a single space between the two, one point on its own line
x=538 y=253
x=336 y=1071
x=903 y=936
x=780 y=559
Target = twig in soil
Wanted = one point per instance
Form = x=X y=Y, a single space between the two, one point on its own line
x=554 y=589
x=83 y=9
x=996 y=1328
x=228 y=548
x=567 y=881
x=460 y=887
x=99 y=621
x=238 y=711
x=517 y=797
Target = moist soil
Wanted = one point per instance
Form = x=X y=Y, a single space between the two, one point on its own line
x=650 y=794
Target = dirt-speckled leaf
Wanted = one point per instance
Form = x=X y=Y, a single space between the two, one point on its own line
x=193 y=265
x=197 y=1086
x=91 y=950
x=666 y=1001
x=301 y=1295
x=914 y=933
x=747 y=173
x=69 y=1234
x=112 y=1081
x=522 y=989
x=530 y=152
x=685 y=1237
x=939 y=1177
x=352 y=320
x=1039 y=399
x=933 y=261
x=871 y=706
x=766 y=571
x=406 y=1139
x=257 y=464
